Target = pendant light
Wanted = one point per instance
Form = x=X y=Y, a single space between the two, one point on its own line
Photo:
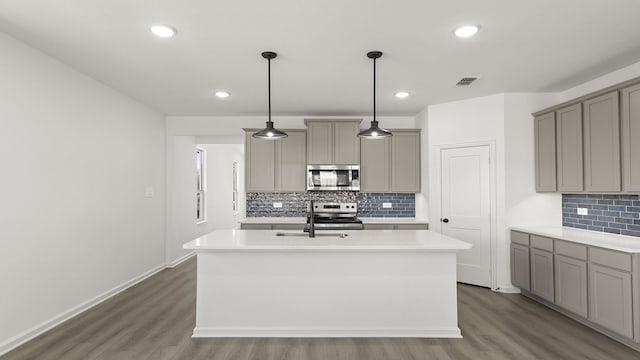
x=374 y=132
x=269 y=133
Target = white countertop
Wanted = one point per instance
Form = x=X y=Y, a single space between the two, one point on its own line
x=357 y=240
x=303 y=220
x=623 y=243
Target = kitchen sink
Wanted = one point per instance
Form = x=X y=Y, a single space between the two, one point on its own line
x=303 y=234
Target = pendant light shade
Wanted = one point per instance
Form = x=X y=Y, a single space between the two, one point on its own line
x=374 y=132
x=269 y=133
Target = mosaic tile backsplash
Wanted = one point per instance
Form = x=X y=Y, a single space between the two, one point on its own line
x=295 y=204
x=616 y=214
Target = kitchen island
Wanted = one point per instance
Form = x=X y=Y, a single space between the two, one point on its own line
x=384 y=283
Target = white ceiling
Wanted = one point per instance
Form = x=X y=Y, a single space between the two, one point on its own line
x=533 y=46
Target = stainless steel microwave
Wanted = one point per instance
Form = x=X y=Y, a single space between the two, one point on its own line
x=333 y=177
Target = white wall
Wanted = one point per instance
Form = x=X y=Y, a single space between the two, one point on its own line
x=76 y=158
x=476 y=120
x=219 y=180
x=181 y=196
x=611 y=79
x=422 y=198
x=505 y=120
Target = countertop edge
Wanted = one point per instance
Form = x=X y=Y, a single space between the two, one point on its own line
x=602 y=243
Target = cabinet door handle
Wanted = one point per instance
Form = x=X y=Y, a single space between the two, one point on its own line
x=445 y=220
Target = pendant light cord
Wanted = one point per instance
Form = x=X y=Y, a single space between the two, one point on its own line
x=374 y=89
x=269 y=82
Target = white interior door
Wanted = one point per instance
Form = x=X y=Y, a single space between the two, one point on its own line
x=466 y=209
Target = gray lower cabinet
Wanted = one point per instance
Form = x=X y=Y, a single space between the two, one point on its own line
x=290 y=161
x=405 y=161
x=259 y=164
x=594 y=285
x=630 y=138
x=602 y=143
x=610 y=297
x=569 y=148
x=520 y=275
x=542 y=282
x=571 y=284
x=545 y=152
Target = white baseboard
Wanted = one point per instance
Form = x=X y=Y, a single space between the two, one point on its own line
x=37 y=330
x=180 y=260
x=507 y=290
x=200 y=332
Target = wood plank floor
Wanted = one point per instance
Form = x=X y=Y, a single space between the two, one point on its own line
x=154 y=320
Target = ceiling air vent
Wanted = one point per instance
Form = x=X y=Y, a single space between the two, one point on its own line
x=467 y=80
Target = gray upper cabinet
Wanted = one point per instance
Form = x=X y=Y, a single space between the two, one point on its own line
x=405 y=161
x=319 y=143
x=375 y=165
x=290 y=162
x=631 y=139
x=259 y=164
x=569 y=148
x=333 y=142
x=545 y=152
x=602 y=143
x=275 y=165
x=346 y=143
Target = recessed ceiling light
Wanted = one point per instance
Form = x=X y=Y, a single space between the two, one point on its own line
x=163 y=31
x=466 y=31
x=401 y=94
x=222 y=94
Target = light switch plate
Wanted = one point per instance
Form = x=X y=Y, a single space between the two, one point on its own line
x=387 y=205
x=583 y=211
x=277 y=204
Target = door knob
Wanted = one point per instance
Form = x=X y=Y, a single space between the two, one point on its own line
x=445 y=220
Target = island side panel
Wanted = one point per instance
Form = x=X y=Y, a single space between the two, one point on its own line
x=326 y=294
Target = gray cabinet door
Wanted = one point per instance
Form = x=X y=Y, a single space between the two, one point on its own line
x=346 y=143
x=319 y=143
x=602 y=143
x=610 y=299
x=405 y=161
x=569 y=148
x=545 y=152
x=374 y=165
x=520 y=275
x=291 y=162
x=571 y=284
x=259 y=164
x=542 y=274
x=631 y=139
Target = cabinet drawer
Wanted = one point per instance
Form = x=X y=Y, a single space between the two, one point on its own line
x=255 y=226
x=610 y=258
x=520 y=238
x=571 y=250
x=412 y=227
x=288 y=226
x=379 y=227
x=542 y=243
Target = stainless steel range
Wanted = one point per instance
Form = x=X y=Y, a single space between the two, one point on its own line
x=335 y=216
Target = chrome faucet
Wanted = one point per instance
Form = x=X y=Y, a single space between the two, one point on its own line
x=312 y=226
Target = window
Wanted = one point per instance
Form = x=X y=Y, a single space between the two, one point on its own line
x=200 y=185
x=235 y=186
